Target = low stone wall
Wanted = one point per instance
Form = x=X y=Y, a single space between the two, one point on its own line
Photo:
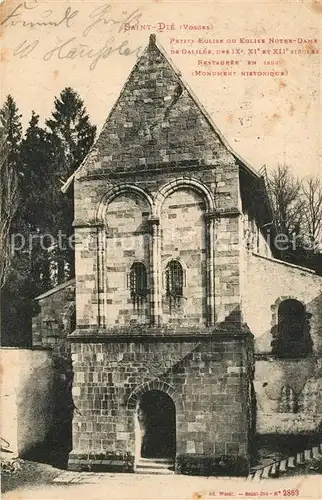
x=27 y=381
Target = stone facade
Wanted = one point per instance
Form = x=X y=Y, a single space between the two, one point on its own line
x=206 y=379
x=178 y=293
x=157 y=188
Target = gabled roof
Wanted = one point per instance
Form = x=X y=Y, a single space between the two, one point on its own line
x=153 y=105
x=56 y=289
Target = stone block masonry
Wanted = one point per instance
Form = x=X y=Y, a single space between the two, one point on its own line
x=160 y=187
x=208 y=382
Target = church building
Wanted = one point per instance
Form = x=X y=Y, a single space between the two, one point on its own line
x=191 y=337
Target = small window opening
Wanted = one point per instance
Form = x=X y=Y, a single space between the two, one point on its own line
x=174 y=279
x=138 y=284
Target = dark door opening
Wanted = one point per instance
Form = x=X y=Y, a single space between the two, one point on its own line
x=157 y=420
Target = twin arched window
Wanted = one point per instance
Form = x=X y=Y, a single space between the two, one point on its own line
x=138 y=281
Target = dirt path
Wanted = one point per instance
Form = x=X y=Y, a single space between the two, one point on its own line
x=41 y=482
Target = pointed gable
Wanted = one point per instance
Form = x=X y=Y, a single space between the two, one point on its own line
x=158 y=124
x=155 y=121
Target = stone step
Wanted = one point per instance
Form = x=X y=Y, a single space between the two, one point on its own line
x=153 y=470
x=154 y=466
x=274 y=470
x=282 y=466
x=266 y=472
x=258 y=474
x=162 y=461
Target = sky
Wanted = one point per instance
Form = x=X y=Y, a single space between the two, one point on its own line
x=48 y=45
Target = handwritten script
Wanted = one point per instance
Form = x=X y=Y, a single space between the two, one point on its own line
x=31 y=21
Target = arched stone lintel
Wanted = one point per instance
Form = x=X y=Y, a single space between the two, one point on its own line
x=154 y=385
x=117 y=191
x=184 y=183
x=155 y=204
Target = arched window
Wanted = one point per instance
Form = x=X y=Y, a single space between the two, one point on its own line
x=174 y=279
x=291 y=318
x=292 y=337
x=138 y=282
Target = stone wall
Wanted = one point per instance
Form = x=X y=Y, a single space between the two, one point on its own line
x=102 y=290
x=127 y=241
x=55 y=321
x=288 y=391
x=183 y=237
x=289 y=395
x=207 y=380
x=269 y=281
x=255 y=239
x=56 y=318
x=27 y=403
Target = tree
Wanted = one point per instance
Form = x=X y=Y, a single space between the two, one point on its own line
x=10 y=139
x=37 y=214
x=71 y=135
x=311 y=193
x=71 y=132
x=34 y=168
x=285 y=190
x=16 y=301
x=297 y=209
x=35 y=185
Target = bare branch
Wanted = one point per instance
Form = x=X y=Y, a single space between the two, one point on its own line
x=286 y=199
x=312 y=203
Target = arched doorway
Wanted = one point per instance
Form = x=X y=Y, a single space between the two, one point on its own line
x=156 y=416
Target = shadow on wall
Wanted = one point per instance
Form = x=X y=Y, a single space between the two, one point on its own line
x=56 y=444
x=234 y=317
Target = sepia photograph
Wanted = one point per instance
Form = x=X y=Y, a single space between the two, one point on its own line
x=161 y=249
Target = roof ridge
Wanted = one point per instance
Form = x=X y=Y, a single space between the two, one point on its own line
x=55 y=289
